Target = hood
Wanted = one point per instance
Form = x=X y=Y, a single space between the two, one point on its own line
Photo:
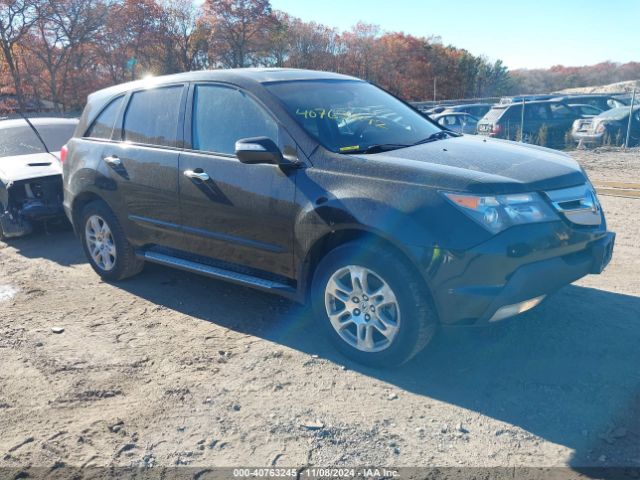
x=477 y=164
x=24 y=167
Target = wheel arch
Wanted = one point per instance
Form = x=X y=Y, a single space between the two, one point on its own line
x=79 y=202
x=328 y=242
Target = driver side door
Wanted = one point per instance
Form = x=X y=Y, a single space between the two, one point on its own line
x=231 y=211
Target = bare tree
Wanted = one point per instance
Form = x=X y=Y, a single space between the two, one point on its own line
x=64 y=29
x=183 y=38
x=239 y=30
x=16 y=18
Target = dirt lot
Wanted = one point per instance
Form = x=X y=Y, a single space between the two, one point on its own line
x=170 y=368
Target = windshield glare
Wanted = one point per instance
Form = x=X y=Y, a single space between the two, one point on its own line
x=351 y=116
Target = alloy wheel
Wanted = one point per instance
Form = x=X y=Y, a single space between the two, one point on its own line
x=100 y=242
x=362 y=308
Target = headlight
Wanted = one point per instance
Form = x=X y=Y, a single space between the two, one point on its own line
x=499 y=212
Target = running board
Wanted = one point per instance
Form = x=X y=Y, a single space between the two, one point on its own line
x=217 y=273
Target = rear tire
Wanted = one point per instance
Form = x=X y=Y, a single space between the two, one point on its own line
x=372 y=306
x=109 y=253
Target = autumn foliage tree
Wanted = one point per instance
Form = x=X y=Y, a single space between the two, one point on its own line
x=239 y=31
x=55 y=52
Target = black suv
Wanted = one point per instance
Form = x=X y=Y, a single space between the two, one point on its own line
x=546 y=122
x=323 y=188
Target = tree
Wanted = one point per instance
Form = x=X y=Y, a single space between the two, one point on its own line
x=16 y=19
x=63 y=31
x=183 y=37
x=239 y=31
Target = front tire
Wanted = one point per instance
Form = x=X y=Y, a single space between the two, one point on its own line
x=109 y=253
x=372 y=306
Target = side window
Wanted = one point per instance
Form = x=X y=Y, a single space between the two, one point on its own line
x=223 y=115
x=536 y=112
x=102 y=126
x=152 y=116
x=561 y=111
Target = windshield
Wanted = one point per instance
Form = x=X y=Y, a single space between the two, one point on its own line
x=21 y=140
x=352 y=116
x=616 y=113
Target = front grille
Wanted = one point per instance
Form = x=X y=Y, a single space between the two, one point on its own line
x=579 y=204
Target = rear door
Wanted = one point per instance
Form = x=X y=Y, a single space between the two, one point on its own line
x=144 y=163
x=238 y=213
x=562 y=118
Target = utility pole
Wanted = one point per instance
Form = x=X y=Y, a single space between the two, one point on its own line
x=435 y=87
x=633 y=98
x=522 y=122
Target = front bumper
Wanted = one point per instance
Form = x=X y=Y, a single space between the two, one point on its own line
x=518 y=265
x=536 y=280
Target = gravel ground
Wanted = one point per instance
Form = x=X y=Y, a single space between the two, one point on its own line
x=170 y=368
x=610 y=163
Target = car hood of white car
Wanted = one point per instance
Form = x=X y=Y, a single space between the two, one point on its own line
x=24 y=167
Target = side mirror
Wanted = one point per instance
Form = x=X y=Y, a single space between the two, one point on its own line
x=258 y=150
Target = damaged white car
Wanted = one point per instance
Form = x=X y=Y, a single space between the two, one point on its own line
x=31 y=172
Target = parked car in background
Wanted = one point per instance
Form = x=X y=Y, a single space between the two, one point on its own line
x=585 y=110
x=290 y=182
x=546 y=122
x=457 y=122
x=30 y=172
x=435 y=110
x=603 y=102
x=609 y=127
x=478 y=110
x=526 y=98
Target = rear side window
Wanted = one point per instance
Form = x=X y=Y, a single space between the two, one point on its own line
x=103 y=125
x=560 y=111
x=493 y=114
x=223 y=115
x=152 y=117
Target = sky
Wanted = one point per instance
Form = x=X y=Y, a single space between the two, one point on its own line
x=521 y=33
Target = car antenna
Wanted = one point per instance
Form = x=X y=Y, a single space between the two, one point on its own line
x=33 y=128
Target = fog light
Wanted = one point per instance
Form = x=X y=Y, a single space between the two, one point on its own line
x=512 y=310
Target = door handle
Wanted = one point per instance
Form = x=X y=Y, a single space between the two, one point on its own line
x=203 y=176
x=113 y=161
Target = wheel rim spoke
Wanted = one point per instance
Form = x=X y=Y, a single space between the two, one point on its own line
x=359 y=278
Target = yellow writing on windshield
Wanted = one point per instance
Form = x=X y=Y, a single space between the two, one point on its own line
x=342 y=115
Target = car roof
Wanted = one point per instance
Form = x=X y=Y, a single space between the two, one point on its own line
x=465 y=105
x=37 y=121
x=527 y=103
x=450 y=114
x=234 y=75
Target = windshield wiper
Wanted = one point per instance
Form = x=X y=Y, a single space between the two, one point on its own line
x=441 y=135
x=377 y=148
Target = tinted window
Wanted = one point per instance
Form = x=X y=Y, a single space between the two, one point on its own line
x=152 y=117
x=22 y=140
x=103 y=125
x=536 y=112
x=561 y=111
x=448 y=121
x=222 y=116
